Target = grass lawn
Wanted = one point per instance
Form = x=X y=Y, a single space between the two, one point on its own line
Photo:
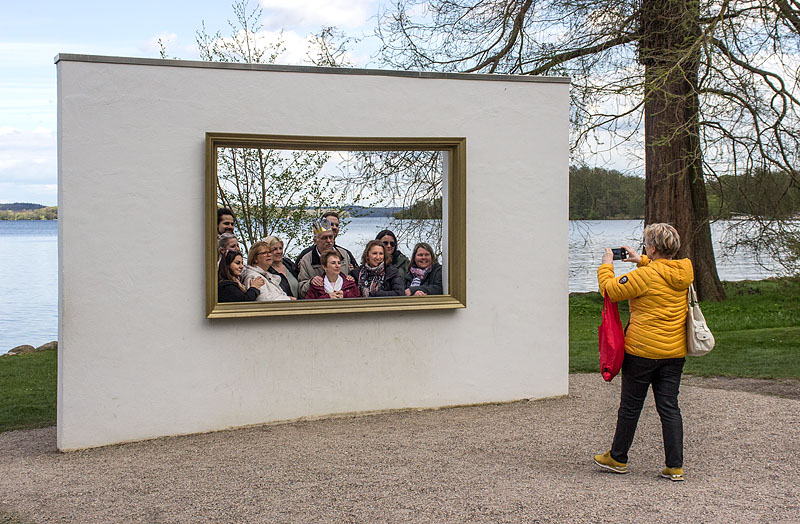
x=28 y=390
x=757 y=330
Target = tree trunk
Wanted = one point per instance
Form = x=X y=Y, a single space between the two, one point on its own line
x=674 y=184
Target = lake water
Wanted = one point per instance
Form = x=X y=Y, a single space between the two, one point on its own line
x=28 y=282
x=588 y=238
x=29 y=267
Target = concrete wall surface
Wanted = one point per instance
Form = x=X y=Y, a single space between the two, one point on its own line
x=137 y=357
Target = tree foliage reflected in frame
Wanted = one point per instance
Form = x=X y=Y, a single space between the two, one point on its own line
x=455 y=223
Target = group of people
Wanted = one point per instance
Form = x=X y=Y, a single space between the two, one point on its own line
x=323 y=270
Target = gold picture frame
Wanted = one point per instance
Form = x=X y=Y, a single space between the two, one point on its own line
x=455 y=222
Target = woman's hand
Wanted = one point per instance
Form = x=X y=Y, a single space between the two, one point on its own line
x=257 y=282
x=408 y=292
x=608 y=256
x=633 y=256
x=292 y=298
x=419 y=293
x=336 y=294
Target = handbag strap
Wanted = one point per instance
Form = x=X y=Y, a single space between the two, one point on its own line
x=691 y=295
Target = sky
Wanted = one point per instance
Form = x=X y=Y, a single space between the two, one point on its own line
x=33 y=33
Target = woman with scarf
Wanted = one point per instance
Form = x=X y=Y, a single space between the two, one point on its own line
x=399 y=260
x=259 y=262
x=424 y=277
x=377 y=277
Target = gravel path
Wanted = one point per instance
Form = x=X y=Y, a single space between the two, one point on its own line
x=521 y=462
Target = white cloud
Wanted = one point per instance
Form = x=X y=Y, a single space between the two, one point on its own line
x=28 y=55
x=297 y=49
x=28 y=106
x=45 y=194
x=295 y=46
x=28 y=165
x=152 y=46
x=310 y=14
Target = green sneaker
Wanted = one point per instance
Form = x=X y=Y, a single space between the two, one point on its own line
x=605 y=461
x=674 y=474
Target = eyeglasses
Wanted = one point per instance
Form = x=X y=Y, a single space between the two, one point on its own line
x=389 y=243
x=263 y=253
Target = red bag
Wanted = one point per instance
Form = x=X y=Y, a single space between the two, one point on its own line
x=612 y=340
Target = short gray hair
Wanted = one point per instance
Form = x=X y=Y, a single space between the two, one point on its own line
x=223 y=239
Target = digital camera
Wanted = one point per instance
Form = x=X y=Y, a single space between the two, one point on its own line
x=620 y=254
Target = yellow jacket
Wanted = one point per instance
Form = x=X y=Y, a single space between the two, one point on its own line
x=656 y=293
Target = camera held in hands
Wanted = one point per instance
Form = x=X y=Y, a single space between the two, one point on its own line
x=620 y=253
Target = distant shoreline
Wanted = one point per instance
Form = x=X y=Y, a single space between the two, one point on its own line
x=14 y=212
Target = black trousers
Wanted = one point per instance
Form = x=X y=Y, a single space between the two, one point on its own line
x=638 y=373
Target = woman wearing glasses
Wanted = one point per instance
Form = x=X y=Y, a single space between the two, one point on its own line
x=259 y=261
x=399 y=260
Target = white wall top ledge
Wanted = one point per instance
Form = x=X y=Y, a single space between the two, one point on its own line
x=69 y=57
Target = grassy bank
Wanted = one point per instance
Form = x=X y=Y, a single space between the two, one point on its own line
x=757 y=330
x=28 y=390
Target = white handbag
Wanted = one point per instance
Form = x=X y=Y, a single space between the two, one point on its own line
x=699 y=340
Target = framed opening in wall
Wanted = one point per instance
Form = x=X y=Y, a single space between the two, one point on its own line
x=297 y=192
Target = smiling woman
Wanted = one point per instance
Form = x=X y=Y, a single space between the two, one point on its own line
x=273 y=185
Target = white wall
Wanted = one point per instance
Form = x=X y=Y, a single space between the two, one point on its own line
x=137 y=357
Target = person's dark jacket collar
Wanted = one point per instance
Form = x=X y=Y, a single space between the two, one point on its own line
x=428 y=281
x=315 y=255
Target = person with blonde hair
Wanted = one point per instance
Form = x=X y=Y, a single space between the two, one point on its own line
x=259 y=261
x=655 y=343
x=283 y=267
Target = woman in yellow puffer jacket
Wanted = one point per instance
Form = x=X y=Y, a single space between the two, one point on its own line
x=655 y=343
